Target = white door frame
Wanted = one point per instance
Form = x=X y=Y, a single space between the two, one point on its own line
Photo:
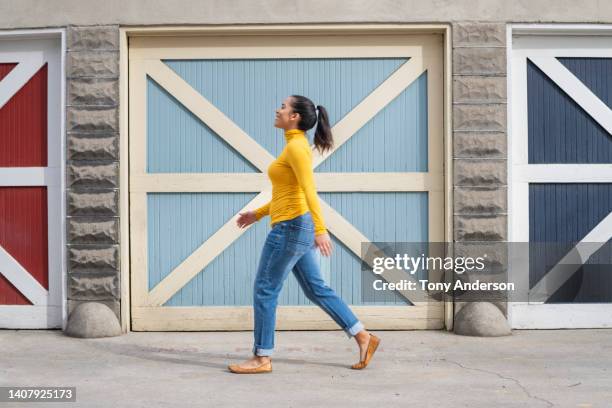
x=541 y=43
x=32 y=48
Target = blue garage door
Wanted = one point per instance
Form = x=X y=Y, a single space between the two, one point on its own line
x=202 y=137
x=560 y=131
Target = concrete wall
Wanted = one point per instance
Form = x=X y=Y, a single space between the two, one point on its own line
x=41 y=13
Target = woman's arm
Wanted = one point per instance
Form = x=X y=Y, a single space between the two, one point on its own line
x=262 y=211
x=299 y=157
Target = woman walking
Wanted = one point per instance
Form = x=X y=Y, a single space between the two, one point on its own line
x=298 y=229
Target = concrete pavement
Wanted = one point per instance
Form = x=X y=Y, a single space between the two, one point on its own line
x=535 y=368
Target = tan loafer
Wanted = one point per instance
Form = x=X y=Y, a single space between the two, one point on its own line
x=264 y=368
x=372 y=346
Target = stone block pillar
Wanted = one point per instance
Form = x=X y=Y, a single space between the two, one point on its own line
x=92 y=131
x=479 y=135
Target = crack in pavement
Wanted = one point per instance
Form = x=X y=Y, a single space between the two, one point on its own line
x=517 y=382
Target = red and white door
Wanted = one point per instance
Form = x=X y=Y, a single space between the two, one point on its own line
x=31 y=289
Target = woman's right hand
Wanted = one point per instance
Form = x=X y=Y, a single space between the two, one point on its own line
x=245 y=219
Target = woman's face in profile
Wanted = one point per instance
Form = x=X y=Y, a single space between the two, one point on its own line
x=285 y=118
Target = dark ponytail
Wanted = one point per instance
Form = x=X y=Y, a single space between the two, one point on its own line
x=323 y=138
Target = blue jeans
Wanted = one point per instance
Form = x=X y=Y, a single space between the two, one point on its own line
x=290 y=246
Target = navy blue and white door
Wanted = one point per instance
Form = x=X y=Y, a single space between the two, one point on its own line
x=561 y=179
x=201 y=139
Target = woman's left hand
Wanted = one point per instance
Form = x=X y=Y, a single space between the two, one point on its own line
x=323 y=242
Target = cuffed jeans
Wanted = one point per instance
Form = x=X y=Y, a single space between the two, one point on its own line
x=290 y=246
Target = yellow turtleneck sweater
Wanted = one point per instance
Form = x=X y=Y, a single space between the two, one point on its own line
x=293 y=187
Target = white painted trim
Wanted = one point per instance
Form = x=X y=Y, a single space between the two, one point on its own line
x=561 y=316
x=576 y=29
x=38 y=33
x=19 y=277
x=562 y=46
x=510 y=148
x=447 y=165
x=124 y=182
x=540 y=43
x=518 y=143
x=30 y=317
x=45 y=42
x=63 y=293
x=29 y=176
x=54 y=245
x=562 y=173
x=520 y=203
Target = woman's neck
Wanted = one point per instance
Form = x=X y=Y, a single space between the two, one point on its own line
x=291 y=134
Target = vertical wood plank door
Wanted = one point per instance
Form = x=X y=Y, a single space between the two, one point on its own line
x=201 y=137
x=562 y=180
x=30 y=222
